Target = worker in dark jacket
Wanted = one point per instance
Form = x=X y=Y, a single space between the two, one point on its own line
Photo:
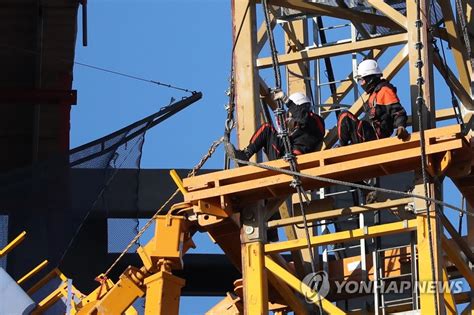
x=383 y=111
x=306 y=131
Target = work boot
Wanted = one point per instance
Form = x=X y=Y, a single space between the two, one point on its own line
x=233 y=153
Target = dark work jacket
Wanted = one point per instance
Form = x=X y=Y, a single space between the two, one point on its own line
x=308 y=131
x=384 y=109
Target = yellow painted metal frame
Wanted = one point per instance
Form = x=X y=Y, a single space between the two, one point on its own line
x=352 y=163
x=340 y=49
x=14 y=243
x=255 y=279
x=33 y=272
x=299 y=286
x=338 y=237
x=364 y=160
x=239 y=183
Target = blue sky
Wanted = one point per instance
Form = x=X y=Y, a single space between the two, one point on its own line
x=183 y=43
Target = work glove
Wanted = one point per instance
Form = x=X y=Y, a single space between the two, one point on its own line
x=291 y=125
x=402 y=133
x=278 y=94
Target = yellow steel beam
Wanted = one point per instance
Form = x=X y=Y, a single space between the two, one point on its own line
x=163 y=291
x=54 y=273
x=327 y=214
x=299 y=286
x=339 y=237
x=231 y=304
x=255 y=279
x=456 y=237
x=453 y=252
x=177 y=180
x=337 y=12
x=122 y=295
x=287 y=294
x=390 y=12
x=34 y=271
x=351 y=163
x=49 y=300
x=463 y=297
x=425 y=263
x=441 y=114
x=454 y=83
x=457 y=47
x=448 y=296
x=12 y=244
x=335 y=50
x=291 y=234
x=245 y=71
x=389 y=72
x=61 y=292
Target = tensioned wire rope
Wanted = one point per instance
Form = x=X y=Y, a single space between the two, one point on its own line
x=198 y=166
x=354 y=185
x=102 y=69
x=283 y=132
x=229 y=125
x=420 y=101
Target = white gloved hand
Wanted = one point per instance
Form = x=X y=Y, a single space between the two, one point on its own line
x=278 y=94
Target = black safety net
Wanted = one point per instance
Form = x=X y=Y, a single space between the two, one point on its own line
x=60 y=203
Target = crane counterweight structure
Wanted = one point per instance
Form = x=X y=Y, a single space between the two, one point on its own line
x=403 y=239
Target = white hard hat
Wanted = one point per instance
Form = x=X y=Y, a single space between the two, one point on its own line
x=367 y=67
x=299 y=98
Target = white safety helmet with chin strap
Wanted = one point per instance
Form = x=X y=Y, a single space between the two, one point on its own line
x=368 y=67
x=299 y=98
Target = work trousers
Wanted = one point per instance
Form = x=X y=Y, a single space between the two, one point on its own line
x=351 y=130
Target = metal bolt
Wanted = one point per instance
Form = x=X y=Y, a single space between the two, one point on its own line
x=249 y=230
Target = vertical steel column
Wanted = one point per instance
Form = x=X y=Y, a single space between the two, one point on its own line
x=427 y=299
x=253 y=236
x=163 y=291
x=246 y=84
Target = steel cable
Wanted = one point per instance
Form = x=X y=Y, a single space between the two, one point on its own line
x=419 y=104
x=355 y=185
x=283 y=132
x=198 y=166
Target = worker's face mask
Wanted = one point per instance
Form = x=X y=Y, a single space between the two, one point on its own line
x=368 y=83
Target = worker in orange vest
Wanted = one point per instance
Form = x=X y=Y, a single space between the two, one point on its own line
x=306 y=131
x=383 y=111
x=383 y=114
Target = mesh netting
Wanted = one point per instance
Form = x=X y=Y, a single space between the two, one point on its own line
x=52 y=201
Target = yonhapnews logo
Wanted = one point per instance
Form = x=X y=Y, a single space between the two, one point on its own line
x=315 y=286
